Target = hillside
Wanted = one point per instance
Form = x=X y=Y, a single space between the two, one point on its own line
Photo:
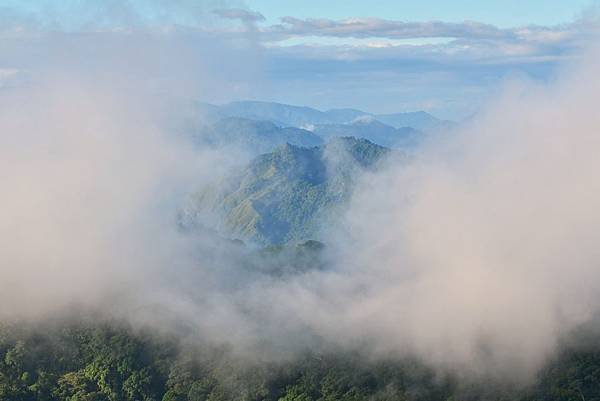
x=288 y=195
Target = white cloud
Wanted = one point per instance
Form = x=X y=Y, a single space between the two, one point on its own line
x=240 y=14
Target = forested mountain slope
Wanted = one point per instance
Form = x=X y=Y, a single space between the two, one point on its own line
x=288 y=195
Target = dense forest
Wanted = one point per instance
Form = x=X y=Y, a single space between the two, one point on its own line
x=112 y=361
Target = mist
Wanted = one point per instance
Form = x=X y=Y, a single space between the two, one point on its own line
x=482 y=252
x=94 y=167
x=478 y=256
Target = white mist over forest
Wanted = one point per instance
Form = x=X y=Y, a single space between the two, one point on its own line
x=477 y=254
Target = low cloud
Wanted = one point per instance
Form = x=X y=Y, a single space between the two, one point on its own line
x=240 y=14
x=481 y=253
x=377 y=27
x=467 y=40
x=477 y=257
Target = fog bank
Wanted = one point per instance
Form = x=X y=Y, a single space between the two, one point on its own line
x=478 y=256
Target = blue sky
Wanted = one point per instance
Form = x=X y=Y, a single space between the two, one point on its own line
x=446 y=57
x=503 y=13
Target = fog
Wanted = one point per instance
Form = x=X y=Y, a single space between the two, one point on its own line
x=94 y=166
x=482 y=252
x=478 y=256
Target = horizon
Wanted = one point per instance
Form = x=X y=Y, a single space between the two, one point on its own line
x=319 y=109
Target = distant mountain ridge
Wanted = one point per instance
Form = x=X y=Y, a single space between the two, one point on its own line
x=302 y=116
x=373 y=130
x=282 y=114
x=286 y=196
x=254 y=137
x=417 y=119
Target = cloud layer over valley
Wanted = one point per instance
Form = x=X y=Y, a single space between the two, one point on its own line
x=478 y=256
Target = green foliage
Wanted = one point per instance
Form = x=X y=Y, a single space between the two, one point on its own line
x=99 y=362
x=287 y=196
x=574 y=377
x=81 y=364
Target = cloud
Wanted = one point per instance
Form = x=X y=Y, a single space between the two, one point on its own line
x=471 y=57
x=403 y=77
x=111 y=15
x=299 y=53
x=376 y=27
x=467 y=38
x=480 y=253
x=360 y=28
x=240 y=14
x=479 y=256
x=88 y=152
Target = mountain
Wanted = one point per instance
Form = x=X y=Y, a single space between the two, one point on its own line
x=281 y=114
x=259 y=127
x=297 y=116
x=368 y=128
x=419 y=120
x=255 y=137
x=341 y=116
x=288 y=195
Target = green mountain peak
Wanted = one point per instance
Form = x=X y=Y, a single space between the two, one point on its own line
x=289 y=195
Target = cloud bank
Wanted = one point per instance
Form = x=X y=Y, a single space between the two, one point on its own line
x=377 y=27
x=482 y=252
x=479 y=256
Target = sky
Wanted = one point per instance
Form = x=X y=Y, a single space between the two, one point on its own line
x=503 y=13
x=450 y=76
x=381 y=56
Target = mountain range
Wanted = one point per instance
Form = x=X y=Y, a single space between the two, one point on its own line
x=302 y=167
x=254 y=137
x=260 y=127
x=373 y=130
x=302 y=116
